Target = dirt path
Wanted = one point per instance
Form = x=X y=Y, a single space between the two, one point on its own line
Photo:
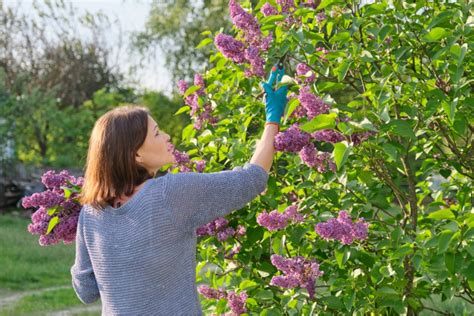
x=12 y=298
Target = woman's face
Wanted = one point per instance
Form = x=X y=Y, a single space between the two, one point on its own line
x=154 y=152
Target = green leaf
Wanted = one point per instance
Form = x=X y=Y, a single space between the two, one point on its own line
x=191 y=90
x=453 y=261
x=402 y=251
x=291 y=107
x=321 y=121
x=247 y=284
x=204 y=42
x=264 y=294
x=469 y=272
x=342 y=255
x=449 y=109
x=327 y=3
x=182 y=110
x=272 y=19
x=443 y=241
x=342 y=38
x=341 y=152
x=400 y=127
x=374 y=9
x=442 y=214
x=67 y=192
x=342 y=69
x=52 y=223
x=188 y=132
x=54 y=209
x=391 y=151
x=435 y=34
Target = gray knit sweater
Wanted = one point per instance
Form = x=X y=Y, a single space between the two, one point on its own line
x=140 y=258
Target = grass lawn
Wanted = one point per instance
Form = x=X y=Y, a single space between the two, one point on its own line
x=26 y=266
x=38 y=304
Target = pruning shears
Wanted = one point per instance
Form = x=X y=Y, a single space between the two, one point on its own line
x=279 y=75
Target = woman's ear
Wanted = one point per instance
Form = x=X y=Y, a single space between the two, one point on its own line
x=138 y=158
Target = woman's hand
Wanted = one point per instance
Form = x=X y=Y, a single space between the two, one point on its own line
x=275 y=101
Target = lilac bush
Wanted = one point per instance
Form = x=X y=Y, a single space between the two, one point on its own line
x=58 y=209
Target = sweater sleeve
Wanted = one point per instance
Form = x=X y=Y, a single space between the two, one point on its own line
x=83 y=278
x=195 y=199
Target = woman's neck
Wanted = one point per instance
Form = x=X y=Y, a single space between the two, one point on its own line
x=123 y=198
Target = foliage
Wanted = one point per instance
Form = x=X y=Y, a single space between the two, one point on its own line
x=408 y=66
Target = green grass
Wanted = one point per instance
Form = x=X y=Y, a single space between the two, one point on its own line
x=37 y=304
x=25 y=265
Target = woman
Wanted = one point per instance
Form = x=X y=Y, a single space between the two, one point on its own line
x=136 y=234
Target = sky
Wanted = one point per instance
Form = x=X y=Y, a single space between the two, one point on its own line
x=132 y=15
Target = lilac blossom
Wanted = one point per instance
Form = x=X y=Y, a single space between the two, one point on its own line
x=266 y=41
x=182 y=86
x=286 y=5
x=313 y=104
x=245 y=21
x=236 y=302
x=54 y=200
x=211 y=293
x=343 y=229
x=199 y=81
x=358 y=137
x=291 y=140
x=235 y=250
x=314 y=159
x=298 y=271
x=219 y=228
x=320 y=17
x=230 y=47
x=256 y=62
x=304 y=70
x=328 y=136
x=276 y=220
x=200 y=165
x=267 y=9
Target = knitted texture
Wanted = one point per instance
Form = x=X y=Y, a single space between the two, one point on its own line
x=140 y=258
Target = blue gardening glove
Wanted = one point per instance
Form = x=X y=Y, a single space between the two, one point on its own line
x=275 y=101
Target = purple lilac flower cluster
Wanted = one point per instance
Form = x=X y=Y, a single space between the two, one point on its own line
x=311 y=103
x=323 y=51
x=183 y=161
x=287 y=7
x=319 y=160
x=199 y=115
x=343 y=229
x=298 y=271
x=235 y=250
x=276 y=220
x=267 y=9
x=292 y=139
x=253 y=45
x=236 y=302
x=328 y=136
x=358 y=137
x=303 y=70
x=219 y=227
x=67 y=209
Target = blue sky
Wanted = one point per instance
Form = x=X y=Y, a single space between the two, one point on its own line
x=132 y=15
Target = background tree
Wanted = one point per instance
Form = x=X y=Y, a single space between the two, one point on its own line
x=176 y=27
x=57 y=82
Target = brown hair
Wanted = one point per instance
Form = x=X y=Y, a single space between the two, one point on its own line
x=111 y=169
